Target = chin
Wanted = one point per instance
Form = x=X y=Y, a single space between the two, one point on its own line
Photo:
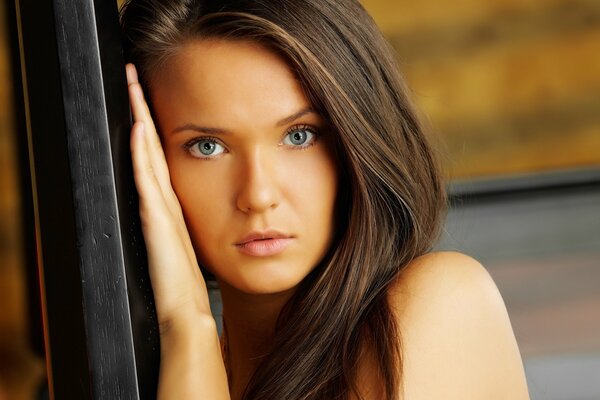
x=263 y=281
x=266 y=285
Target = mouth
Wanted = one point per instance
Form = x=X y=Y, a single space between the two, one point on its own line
x=264 y=243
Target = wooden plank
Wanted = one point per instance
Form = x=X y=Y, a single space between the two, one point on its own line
x=100 y=325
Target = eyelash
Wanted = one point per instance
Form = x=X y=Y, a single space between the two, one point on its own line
x=188 y=145
x=304 y=127
x=211 y=139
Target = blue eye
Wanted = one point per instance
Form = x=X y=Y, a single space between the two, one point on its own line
x=301 y=136
x=204 y=147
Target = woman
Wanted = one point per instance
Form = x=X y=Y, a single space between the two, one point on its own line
x=280 y=152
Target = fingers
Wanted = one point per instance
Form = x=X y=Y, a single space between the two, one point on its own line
x=156 y=216
x=173 y=267
x=141 y=112
x=157 y=198
x=151 y=197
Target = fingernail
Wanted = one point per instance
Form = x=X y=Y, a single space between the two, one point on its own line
x=132 y=76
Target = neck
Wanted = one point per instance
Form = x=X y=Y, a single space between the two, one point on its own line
x=250 y=323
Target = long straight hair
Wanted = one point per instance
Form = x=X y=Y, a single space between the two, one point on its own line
x=391 y=201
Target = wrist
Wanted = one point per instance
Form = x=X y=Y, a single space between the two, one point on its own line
x=188 y=330
x=191 y=363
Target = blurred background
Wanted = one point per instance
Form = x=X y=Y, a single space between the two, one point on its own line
x=511 y=92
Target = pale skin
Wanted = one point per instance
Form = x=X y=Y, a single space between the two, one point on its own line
x=270 y=166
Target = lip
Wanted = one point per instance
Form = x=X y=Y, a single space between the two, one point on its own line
x=264 y=243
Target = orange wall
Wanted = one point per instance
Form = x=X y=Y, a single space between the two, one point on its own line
x=509 y=85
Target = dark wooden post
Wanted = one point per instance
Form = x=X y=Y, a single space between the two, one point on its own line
x=99 y=319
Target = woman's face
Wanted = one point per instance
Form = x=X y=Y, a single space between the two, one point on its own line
x=246 y=155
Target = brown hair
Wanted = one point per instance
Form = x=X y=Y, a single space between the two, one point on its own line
x=391 y=200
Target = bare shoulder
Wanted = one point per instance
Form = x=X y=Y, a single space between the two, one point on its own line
x=457 y=340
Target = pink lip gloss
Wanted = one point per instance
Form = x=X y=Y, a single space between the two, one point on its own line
x=264 y=247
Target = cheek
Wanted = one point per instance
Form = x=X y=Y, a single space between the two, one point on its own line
x=192 y=186
x=314 y=183
x=204 y=199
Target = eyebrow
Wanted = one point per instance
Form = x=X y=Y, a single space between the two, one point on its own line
x=219 y=131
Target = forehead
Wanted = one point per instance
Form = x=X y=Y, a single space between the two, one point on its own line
x=226 y=79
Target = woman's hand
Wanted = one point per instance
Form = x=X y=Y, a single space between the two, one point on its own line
x=191 y=364
x=179 y=288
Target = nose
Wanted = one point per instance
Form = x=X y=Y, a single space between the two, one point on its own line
x=258 y=190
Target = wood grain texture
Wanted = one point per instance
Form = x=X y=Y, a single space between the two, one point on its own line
x=102 y=341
